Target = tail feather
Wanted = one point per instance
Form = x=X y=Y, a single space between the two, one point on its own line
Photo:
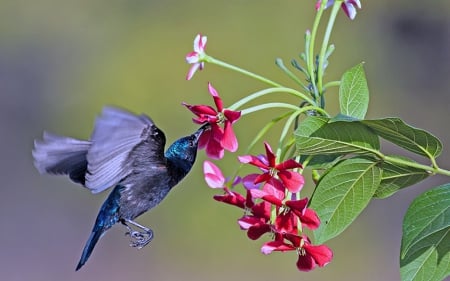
x=61 y=155
x=106 y=218
x=90 y=244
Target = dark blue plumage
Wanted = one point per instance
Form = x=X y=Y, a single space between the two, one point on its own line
x=126 y=152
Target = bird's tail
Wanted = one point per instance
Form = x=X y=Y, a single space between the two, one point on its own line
x=61 y=155
x=107 y=217
x=90 y=244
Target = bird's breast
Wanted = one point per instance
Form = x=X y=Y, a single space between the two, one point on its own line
x=140 y=196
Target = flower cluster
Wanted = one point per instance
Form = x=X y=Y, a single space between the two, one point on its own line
x=269 y=202
x=270 y=206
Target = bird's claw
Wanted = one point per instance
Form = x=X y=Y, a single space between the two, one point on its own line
x=140 y=239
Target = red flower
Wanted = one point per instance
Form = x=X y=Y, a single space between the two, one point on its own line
x=308 y=255
x=293 y=181
x=217 y=138
x=196 y=57
x=257 y=223
x=349 y=7
x=291 y=210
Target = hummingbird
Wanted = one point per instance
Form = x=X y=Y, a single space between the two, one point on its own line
x=125 y=153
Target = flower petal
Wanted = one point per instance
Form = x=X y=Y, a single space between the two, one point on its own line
x=192 y=58
x=262 y=178
x=310 y=219
x=248 y=221
x=288 y=164
x=253 y=160
x=248 y=181
x=216 y=132
x=305 y=262
x=258 y=230
x=216 y=97
x=349 y=7
x=200 y=43
x=232 y=198
x=349 y=10
x=213 y=175
x=262 y=210
x=271 y=246
x=214 y=150
x=297 y=205
x=204 y=139
x=229 y=140
x=294 y=239
x=192 y=70
x=201 y=109
x=256 y=193
x=275 y=188
x=270 y=155
x=321 y=254
x=232 y=115
x=292 y=180
x=286 y=222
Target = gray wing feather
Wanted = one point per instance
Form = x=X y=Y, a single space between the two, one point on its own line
x=116 y=134
x=61 y=155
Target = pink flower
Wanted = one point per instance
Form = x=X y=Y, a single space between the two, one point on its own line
x=215 y=179
x=349 y=7
x=308 y=255
x=293 y=181
x=217 y=138
x=196 y=57
x=213 y=175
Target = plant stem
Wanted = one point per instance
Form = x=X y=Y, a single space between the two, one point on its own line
x=310 y=49
x=332 y=84
x=326 y=39
x=261 y=93
x=268 y=105
x=432 y=169
x=240 y=70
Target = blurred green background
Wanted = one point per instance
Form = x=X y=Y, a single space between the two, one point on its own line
x=61 y=61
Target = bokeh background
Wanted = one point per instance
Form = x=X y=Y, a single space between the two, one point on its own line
x=61 y=61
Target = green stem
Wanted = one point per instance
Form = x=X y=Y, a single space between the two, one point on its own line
x=266 y=128
x=261 y=93
x=280 y=64
x=433 y=169
x=288 y=124
x=326 y=39
x=240 y=70
x=268 y=105
x=310 y=55
x=332 y=84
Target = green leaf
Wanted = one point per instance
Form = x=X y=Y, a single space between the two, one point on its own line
x=315 y=136
x=354 y=93
x=396 y=177
x=425 y=251
x=415 y=140
x=342 y=194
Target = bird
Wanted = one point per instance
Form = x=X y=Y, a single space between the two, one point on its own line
x=125 y=153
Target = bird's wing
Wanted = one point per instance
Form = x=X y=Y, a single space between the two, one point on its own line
x=116 y=134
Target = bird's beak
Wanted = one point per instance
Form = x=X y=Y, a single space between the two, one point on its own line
x=200 y=131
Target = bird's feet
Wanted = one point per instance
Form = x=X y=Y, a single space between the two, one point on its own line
x=140 y=239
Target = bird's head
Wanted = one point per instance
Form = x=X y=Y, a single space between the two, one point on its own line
x=184 y=150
